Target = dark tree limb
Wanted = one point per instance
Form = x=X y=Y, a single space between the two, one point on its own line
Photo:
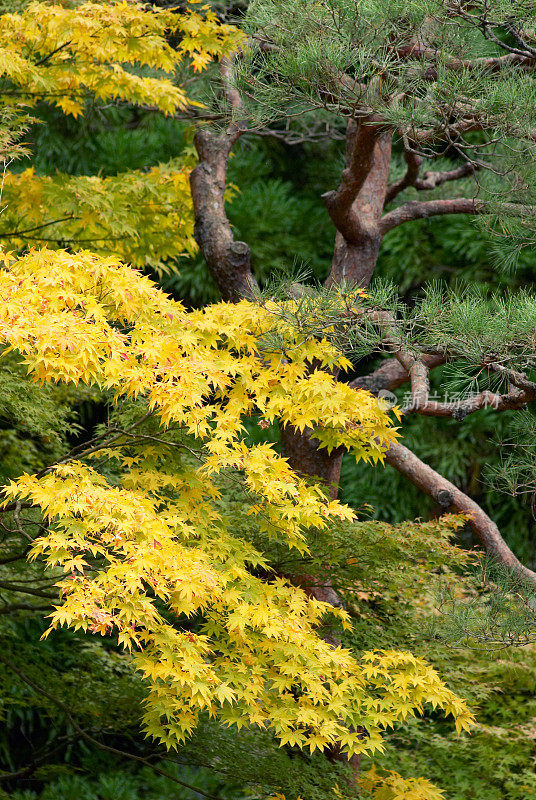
x=421 y=209
x=516 y=378
x=229 y=261
x=356 y=206
x=11 y=607
x=15 y=556
x=450 y=498
x=413 y=161
x=15 y=587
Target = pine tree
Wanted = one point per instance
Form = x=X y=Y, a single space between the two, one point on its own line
x=445 y=83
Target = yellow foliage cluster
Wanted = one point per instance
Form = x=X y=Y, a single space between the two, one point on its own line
x=108 y=51
x=59 y=54
x=142 y=217
x=392 y=786
x=157 y=545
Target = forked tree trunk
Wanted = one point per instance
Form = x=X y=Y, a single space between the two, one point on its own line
x=357 y=205
x=356 y=209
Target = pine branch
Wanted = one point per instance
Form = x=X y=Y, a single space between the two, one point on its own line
x=361 y=143
x=431 y=179
x=413 y=162
x=229 y=261
x=459 y=409
x=391 y=374
x=422 y=209
x=450 y=498
x=417 y=50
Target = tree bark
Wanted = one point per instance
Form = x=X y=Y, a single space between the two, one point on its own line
x=356 y=206
x=450 y=498
x=306 y=458
x=229 y=261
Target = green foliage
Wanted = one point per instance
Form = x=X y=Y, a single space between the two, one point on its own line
x=103 y=781
x=104 y=141
x=498 y=610
x=36 y=422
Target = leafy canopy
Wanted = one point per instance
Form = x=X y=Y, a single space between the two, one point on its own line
x=97 y=53
x=62 y=55
x=154 y=542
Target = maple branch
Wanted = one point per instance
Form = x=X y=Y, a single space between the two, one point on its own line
x=8 y=609
x=15 y=587
x=15 y=557
x=70 y=218
x=52 y=53
x=37 y=761
x=450 y=498
x=95 y=742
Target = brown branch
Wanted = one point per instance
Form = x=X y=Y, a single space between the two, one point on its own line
x=450 y=498
x=229 y=261
x=449 y=131
x=517 y=378
x=417 y=368
x=431 y=180
x=391 y=374
x=21 y=233
x=413 y=162
x=361 y=141
x=231 y=92
x=37 y=761
x=356 y=206
x=490 y=63
x=422 y=209
x=459 y=409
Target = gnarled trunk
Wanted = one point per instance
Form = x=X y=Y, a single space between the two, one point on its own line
x=356 y=207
